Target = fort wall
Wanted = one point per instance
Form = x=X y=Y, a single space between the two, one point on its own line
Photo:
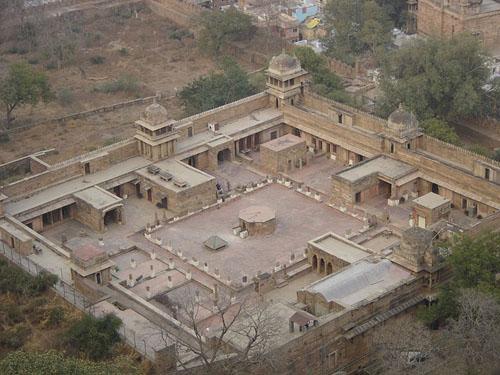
x=98 y=160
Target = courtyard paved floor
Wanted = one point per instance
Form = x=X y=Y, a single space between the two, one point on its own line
x=235 y=173
x=317 y=174
x=299 y=219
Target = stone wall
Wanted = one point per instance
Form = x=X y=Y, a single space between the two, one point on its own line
x=98 y=160
x=321 y=127
x=283 y=160
x=182 y=202
x=433 y=19
x=89 y=216
x=320 y=342
x=240 y=108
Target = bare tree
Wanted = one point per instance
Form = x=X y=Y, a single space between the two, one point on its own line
x=405 y=346
x=229 y=336
x=473 y=340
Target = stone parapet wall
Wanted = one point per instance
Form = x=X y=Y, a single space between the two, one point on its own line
x=360 y=119
x=452 y=178
x=224 y=113
x=455 y=154
x=321 y=127
x=57 y=173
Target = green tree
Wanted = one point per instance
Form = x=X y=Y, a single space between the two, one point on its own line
x=22 y=86
x=217 y=28
x=94 y=337
x=434 y=79
x=54 y=363
x=324 y=81
x=441 y=130
x=396 y=10
x=475 y=262
x=376 y=29
x=216 y=89
x=355 y=26
x=14 y=280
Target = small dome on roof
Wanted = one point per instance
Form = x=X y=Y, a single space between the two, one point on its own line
x=284 y=64
x=155 y=114
x=402 y=120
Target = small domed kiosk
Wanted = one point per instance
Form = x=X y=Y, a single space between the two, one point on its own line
x=402 y=123
x=285 y=78
x=155 y=133
x=258 y=220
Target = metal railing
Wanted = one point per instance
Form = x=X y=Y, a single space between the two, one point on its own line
x=77 y=299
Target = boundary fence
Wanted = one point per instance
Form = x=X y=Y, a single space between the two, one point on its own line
x=74 y=297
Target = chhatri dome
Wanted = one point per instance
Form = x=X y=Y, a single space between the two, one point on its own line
x=401 y=120
x=284 y=64
x=155 y=114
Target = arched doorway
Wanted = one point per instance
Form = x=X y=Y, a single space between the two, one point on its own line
x=435 y=188
x=329 y=268
x=322 y=266
x=223 y=155
x=314 y=262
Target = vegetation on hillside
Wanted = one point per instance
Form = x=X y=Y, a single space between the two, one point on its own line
x=23 y=85
x=216 y=89
x=433 y=79
x=218 y=28
x=324 y=81
x=355 y=27
x=53 y=362
x=40 y=333
x=475 y=263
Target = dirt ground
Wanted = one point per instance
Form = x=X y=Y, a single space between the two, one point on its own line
x=141 y=48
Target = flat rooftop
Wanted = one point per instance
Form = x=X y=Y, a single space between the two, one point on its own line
x=98 y=198
x=179 y=171
x=283 y=143
x=236 y=128
x=431 y=200
x=382 y=165
x=340 y=247
x=298 y=220
x=364 y=280
x=64 y=189
x=9 y=228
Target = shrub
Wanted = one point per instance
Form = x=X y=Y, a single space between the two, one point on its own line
x=4 y=138
x=496 y=154
x=65 y=96
x=179 y=34
x=16 y=281
x=33 y=61
x=92 y=38
x=94 y=337
x=97 y=59
x=126 y=84
x=441 y=130
x=123 y=51
x=15 y=337
x=56 y=316
x=51 y=65
x=111 y=141
x=42 y=282
x=13 y=313
x=17 y=50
